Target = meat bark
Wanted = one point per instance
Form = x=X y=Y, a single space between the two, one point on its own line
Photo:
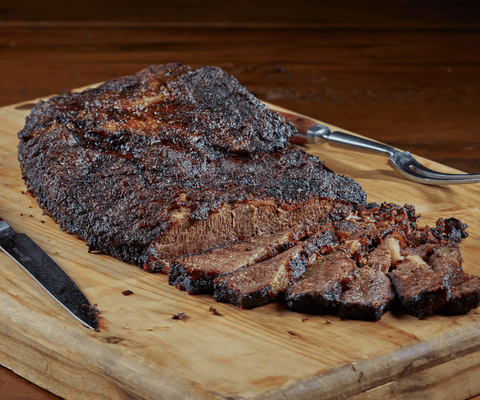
x=171 y=161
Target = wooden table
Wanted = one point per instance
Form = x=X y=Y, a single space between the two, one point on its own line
x=403 y=72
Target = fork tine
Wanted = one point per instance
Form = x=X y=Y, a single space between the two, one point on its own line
x=406 y=165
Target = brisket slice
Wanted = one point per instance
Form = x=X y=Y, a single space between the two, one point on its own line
x=195 y=274
x=367 y=295
x=464 y=296
x=259 y=283
x=465 y=288
x=335 y=284
x=171 y=161
x=420 y=289
x=319 y=289
x=431 y=277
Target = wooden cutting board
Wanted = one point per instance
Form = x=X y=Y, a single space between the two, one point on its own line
x=140 y=352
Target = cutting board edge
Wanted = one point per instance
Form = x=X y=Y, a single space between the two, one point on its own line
x=115 y=377
x=404 y=363
x=436 y=382
x=116 y=381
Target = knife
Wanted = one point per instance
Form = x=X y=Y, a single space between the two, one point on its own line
x=48 y=274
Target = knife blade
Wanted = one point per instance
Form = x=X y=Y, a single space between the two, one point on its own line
x=46 y=272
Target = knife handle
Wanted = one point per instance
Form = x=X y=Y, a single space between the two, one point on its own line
x=314 y=135
x=303 y=125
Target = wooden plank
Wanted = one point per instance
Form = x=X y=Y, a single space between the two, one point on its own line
x=280 y=13
x=268 y=352
x=442 y=382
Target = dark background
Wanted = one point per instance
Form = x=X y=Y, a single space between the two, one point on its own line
x=403 y=72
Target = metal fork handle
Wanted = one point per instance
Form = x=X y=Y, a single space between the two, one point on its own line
x=345 y=140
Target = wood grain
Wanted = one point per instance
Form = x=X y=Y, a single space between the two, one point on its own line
x=251 y=13
x=269 y=352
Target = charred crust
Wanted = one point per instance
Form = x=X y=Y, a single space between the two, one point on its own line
x=225 y=294
x=115 y=164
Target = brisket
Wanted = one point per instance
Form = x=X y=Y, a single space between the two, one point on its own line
x=183 y=171
x=420 y=289
x=342 y=280
x=259 y=283
x=387 y=254
x=367 y=295
x=171 y=161
x=381 y=254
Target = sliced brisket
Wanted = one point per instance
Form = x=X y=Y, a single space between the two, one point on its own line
x=335 y=283
x=260 y=283
x=318 y=291
x=380 y=254
x=465 y=288
x=182 y=170
x=420 y=289
x=195 y=274
x=366 y=295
